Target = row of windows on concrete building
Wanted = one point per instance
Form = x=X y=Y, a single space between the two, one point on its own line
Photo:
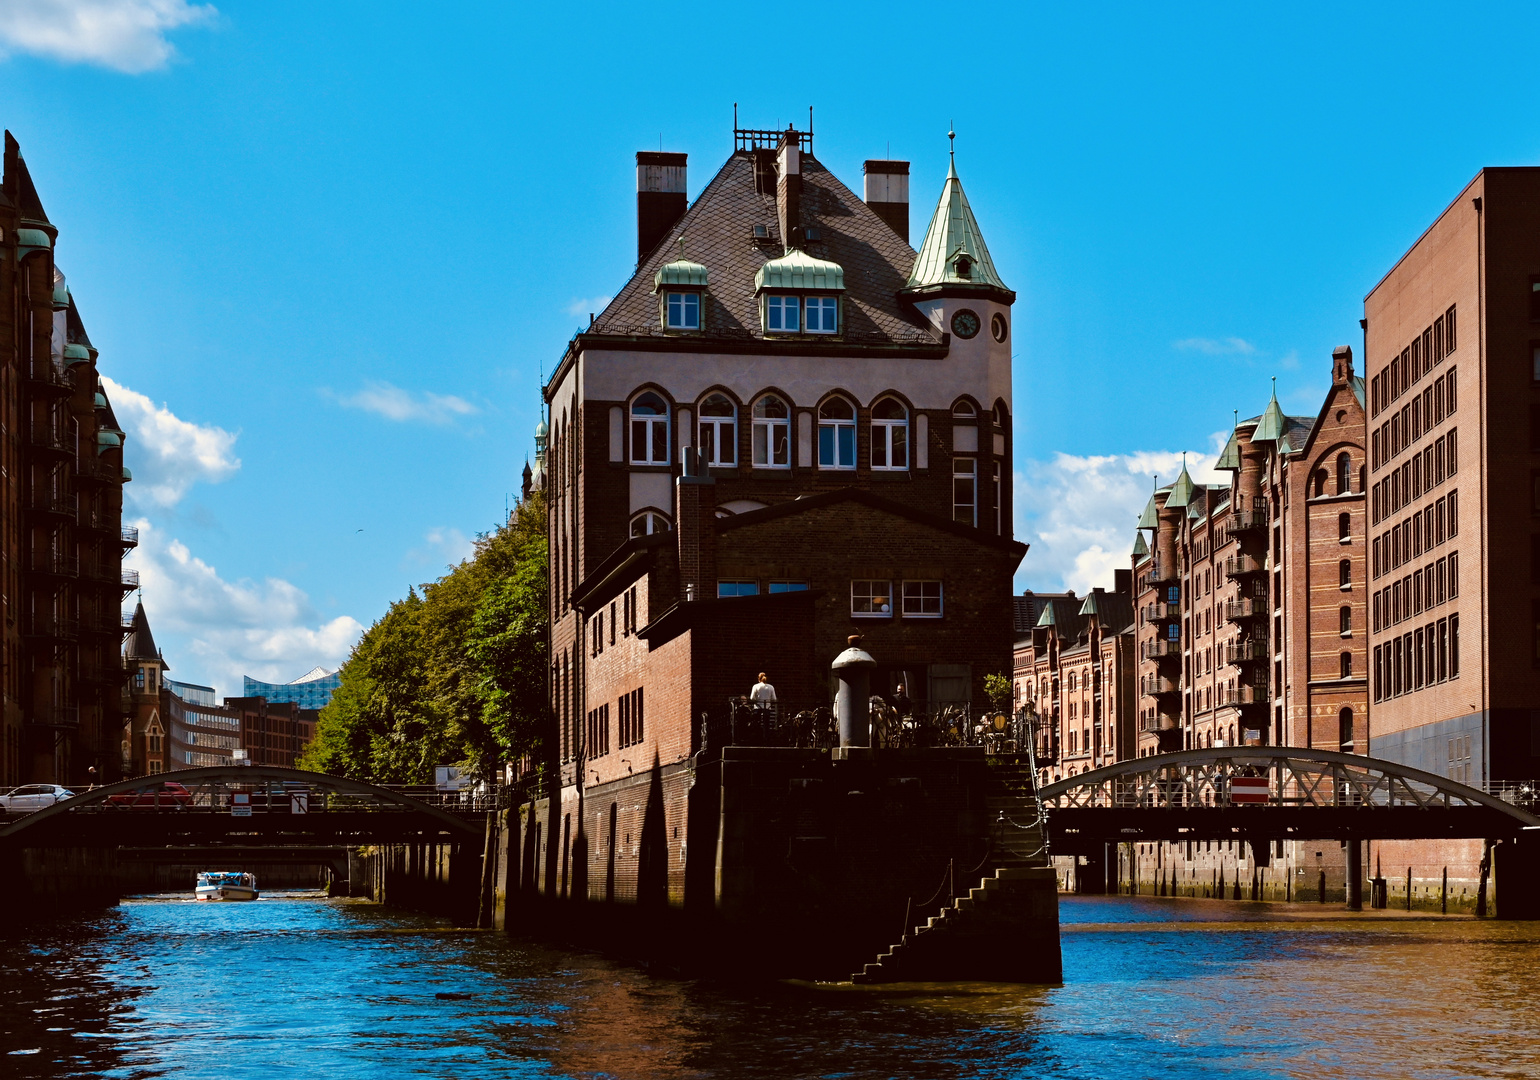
x=1415 y=419
x=1414 y=361
x=1423 y=531
x=1422 y=590
x=1418 y=658
x=631 y=720
x=1423 y=472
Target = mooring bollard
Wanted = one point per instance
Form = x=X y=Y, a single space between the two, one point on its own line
x=852 y=703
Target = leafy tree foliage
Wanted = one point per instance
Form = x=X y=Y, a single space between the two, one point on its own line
x=456 y=675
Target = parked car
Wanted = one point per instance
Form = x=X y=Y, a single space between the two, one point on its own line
x=166 y=795
x=30 y=797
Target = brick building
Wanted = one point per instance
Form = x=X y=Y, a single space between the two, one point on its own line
x=787 y=428
x=273 y=732
x=61 y=515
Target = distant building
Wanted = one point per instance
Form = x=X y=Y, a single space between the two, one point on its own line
x=311 y=690
x=272 y=732
x=192 y=693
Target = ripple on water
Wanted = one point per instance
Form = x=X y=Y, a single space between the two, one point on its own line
x=308 y=987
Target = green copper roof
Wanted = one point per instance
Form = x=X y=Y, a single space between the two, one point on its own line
x=30 y=240
x=680 y=272
x=1047 y=618
x=1270 y=427
x=1141 y=549
x=1181 y=491
x=953 y=251
x=799 y=270
x=75 y=353
x=1230 y=456
x=1091 y=606
x=127 y=476
x=1150 y=519
x=101 y=400
x=61 y=296
x=107 y=440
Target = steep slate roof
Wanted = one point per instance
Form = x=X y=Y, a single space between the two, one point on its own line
x=718 y=232
x=1029 y=606
x=141 y=643
x=1115 y=610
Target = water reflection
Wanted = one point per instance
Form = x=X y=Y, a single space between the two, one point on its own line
x=306 y=988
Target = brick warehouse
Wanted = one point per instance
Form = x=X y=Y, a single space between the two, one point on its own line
x=788 y=428
x=62 y=539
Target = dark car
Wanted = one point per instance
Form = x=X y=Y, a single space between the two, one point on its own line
x=168 y=795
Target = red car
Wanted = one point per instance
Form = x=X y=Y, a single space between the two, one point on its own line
x=168 y=795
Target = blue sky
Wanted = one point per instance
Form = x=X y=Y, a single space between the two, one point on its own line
x=326 y=249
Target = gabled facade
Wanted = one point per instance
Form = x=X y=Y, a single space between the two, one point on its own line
x=787 y=428
x=61 y=515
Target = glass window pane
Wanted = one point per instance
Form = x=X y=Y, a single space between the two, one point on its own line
x=692 y=311
x=761 y=442
x=826 y=445
x=782 y=436
x=726 y=444
x=638 y=440
x=879 y=447
x=847 y=435
x=900 y=433
x=659 y=441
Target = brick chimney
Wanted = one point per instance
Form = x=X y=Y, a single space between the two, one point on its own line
x=660 y=198
x=788 y=188
x=887 y=193
x=695 y=528
x=1342 y=365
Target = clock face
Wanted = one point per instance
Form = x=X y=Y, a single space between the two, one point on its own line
x=965 y=323
x=998 y=327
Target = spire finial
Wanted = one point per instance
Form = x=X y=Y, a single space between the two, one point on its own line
x=1275 y=386
x=681 y=247
x=951 y=136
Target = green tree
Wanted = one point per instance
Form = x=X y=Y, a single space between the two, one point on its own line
x=456 y=675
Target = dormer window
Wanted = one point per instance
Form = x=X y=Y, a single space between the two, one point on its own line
x=823 y=315
x=681 y=288
x=782 y=315
x=683 y=311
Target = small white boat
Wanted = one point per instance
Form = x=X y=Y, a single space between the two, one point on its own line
x=226 y=885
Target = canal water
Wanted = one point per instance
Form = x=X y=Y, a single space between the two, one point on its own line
x=299 y=986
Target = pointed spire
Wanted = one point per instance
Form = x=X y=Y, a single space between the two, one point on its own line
x=1270 y=428
x=953 y=255
x=1150 y=519
x=141 y=643
x=1141 y=549
x=1182 y=490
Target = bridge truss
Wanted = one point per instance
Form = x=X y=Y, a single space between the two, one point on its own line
x=1269 y=793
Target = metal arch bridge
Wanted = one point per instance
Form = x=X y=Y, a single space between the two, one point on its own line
x=1309 y=795
x=250 y=807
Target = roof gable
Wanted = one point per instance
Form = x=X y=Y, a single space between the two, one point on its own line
x=953 y=232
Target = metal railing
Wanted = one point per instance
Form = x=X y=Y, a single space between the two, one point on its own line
x=44 y=373
x=1248 y=607
x=1245 y=649
x=1159 y=648
x=51 y=626
x=814 y=725
x=1240 y=565
x=46 y=502
x=1160 y=612
x=1158 y=684
x=56 y=716
x=129 y=535
x=43 y=437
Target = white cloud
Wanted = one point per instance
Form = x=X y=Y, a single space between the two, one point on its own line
x=394 y=403
x=442 y=545
x=125 y=35
x=590 y=306
x=1079 y=513
x=222 y=630
x=166 y=453
x=1230 y=346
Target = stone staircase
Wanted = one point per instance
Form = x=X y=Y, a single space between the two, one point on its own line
x=1005 y=928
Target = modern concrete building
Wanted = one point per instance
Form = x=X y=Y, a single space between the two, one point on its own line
x=311 y=690
x=61 y=515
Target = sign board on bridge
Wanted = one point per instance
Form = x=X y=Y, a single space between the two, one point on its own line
x=240 y=804
x=1248 y=789
x=299 y=802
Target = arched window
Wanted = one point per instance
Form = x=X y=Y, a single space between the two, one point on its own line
x=1320 y=482
x=1345 y=729
x=772 y=433
x=1347 y=665
x=1345 y=621
x=837 y=434
x=964 y=409
x=718 y=431
x=1345 y=574
x=649 y=430
x=1344 y=527
x=1000 y=415
x=890 y=435
x=648 y=522
x=1344 y=473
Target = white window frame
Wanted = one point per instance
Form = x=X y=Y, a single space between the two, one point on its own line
x=678 y=307
x=652 y=522
x=718 y=433
x=916 y=592
x=971 y=475
x=646 y=426
x=737 y=587
x=765 y=431
x=827 y=319
x=883 y=431
x=867 y=595
x=999 y=501
x=777 y=307
x=836 y=426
